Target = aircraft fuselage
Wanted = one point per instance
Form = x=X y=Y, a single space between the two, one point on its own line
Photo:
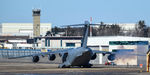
x=77 y=57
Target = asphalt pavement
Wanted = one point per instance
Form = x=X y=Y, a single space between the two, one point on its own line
x=45 y=67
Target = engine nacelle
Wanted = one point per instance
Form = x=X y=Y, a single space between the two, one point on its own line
x=51 y=57
x=35 y=59
x=111 y=57
x=93 y=56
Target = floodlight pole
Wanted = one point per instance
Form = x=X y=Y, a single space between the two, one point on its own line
x=90 y=27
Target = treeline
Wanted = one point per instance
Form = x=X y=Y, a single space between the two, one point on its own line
x=140 y=30
x=106 y=30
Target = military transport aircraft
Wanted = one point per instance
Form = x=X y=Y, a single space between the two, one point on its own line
x=74 y=56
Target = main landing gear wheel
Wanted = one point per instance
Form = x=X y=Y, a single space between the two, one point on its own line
x=87 y=66
x=63 y=66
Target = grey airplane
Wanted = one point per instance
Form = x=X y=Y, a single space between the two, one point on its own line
x=74 y=56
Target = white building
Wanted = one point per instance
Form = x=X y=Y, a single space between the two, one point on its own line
x=18 y=44
x=135 y=45
x=58 y=42
x=24 y=28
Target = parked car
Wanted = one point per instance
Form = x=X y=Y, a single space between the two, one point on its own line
x=110 y=63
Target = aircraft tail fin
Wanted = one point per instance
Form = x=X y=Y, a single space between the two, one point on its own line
x=85 y=37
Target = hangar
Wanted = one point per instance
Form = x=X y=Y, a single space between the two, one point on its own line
x=58 y=42
x=148 y=61
x=23 y=29
x=138 y=46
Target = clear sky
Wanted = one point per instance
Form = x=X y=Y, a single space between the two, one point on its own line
x=61 y=12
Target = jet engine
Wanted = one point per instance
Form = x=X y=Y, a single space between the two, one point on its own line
x=93 y=56
x=111 y=57
x=51 y=57
x=35 y=59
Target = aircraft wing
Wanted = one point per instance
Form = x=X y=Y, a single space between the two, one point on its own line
x=120 y=52
x=102 y=52
x=41 y=54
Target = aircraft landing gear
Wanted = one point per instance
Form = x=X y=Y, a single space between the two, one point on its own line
x=63 y=66
x=87 y=66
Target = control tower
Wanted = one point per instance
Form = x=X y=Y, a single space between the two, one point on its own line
x=36 y=22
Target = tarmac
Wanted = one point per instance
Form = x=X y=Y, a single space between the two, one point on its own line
x=26 y=67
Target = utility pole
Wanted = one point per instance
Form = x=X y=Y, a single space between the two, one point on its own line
x=90 y=27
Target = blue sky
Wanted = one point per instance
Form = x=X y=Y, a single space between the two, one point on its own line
x=61 y=12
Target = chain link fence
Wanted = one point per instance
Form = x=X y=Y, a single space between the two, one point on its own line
x=6 y=53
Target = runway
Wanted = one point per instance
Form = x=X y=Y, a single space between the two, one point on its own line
x=46 y=69
x=24 y=66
